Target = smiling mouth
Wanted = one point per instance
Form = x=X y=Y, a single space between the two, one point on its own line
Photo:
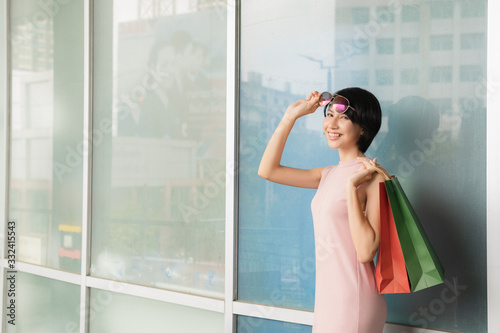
x=334 y=135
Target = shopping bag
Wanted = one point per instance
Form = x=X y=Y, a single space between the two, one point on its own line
x=422 y=264
x=390 y=274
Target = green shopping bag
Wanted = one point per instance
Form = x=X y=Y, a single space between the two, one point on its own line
x=422 y=264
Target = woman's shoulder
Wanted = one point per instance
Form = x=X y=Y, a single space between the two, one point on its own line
x=326 y=170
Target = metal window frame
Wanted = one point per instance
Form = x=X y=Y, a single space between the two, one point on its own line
x=492 y=162
x=232 y=104
x=86 y=164
x=5 y=45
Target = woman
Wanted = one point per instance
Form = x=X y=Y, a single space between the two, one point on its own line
x=345 y=209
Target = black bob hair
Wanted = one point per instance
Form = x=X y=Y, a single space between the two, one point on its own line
x=368 y=113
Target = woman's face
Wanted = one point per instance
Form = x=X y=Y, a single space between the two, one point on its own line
x=340 y=131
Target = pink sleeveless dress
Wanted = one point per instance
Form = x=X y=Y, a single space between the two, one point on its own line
x=347 y=300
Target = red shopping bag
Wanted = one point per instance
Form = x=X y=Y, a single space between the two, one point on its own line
x=391 y=275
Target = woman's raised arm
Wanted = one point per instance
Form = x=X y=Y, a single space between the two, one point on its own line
x=270 y=166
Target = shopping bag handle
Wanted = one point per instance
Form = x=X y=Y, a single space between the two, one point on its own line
x=376 y=168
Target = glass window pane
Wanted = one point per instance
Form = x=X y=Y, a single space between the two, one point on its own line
x=360 y=15
x=444 y=105
x=384 y=77
x=410 y=13
x=43 y=305
x=275 y=242
x=441 y=74
x=117 y=313
x=159 y=145
x=472 y=41
x=441 y=9
x=47 y=131
x=410 y=45
x=360 y=77
x=473 y=8
x=409 y=76
x=441 y=42
x=385 y=46
x=254 y=325
x=432 y=137
x=343 y=16
x=362 y=46
x=470 y=73
x=385 y=14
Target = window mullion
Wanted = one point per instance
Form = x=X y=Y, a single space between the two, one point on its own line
x=87 y=166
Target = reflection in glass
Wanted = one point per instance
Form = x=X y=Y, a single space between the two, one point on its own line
x=409 y=76
x=117 y=313
x=258 y=325
x=441 y=42
x=471 y=73
x=441 y=73
x=47 y=141
x=44 y=305
x=410 y=45
x=360 y=15
x=361 y=76
x=432 y=92
x=159 y=145
x=441 y=9
x=384 y=77
x=385 y=14
x=385 y=46
x=410 y=13
x=472 y=41
x=473 y=9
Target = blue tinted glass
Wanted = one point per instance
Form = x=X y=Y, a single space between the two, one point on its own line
x=258 y=325
x=410 y=45
x=385 y=46
x=410 y=13
x=276 y=245
x=432 y=137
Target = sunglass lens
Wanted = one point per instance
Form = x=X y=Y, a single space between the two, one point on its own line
x=325 y=98
x=340 y=104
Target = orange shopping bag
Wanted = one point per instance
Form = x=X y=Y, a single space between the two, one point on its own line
x=391 y=275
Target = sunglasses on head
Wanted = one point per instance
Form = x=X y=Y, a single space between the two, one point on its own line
x=338 y=103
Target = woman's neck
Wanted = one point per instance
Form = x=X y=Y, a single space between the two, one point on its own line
x=350 y=155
